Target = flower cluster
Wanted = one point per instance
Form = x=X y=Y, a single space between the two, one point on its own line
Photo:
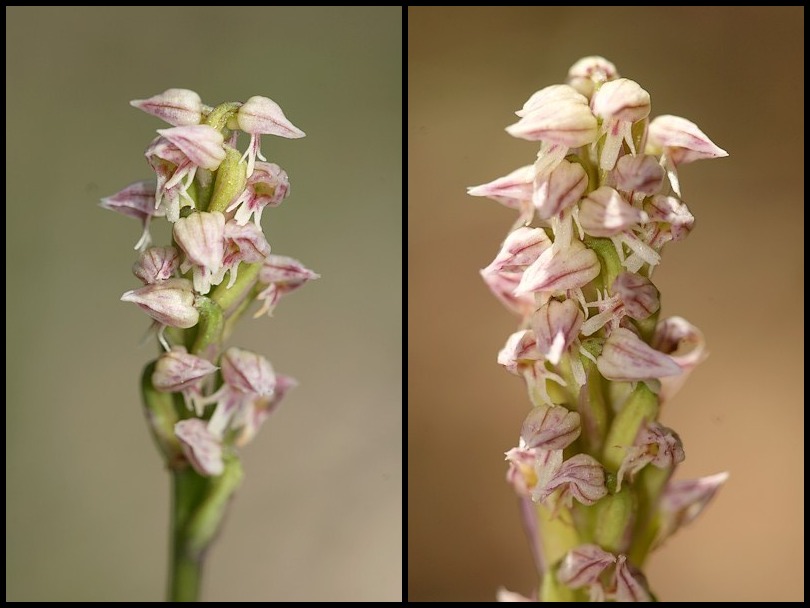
x=209 y=192
x=595 y=210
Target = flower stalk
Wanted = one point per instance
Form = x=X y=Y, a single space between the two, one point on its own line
x=595 y=212
x=201 y=399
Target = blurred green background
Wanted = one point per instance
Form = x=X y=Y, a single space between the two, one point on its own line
x=319 y=515
x=737 y=72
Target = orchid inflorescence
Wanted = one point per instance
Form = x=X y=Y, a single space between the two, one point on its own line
x=213 y=196
x=593 y=468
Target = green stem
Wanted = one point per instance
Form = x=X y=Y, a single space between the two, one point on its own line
x=186 y=567
x=198 y=510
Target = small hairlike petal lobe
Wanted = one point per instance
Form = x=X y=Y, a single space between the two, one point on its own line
x=626 y=357
x=622 y=99
x=556 y=325
x=521 y=247
x=550 y=428
x=262 y=116
x=656 y=445
x=156 y=264
x=604 y=213
x=681 y=140
x=563 y=187
x=673 y=213
x=200 y=446
x=504 y=595
x=630 y=583
x=177 y=370
x=203 y=145
x=640 y=173
x=246 y=242
x=248 y=372
x=282 y=275
x=686 y=345
x=177 y=107
x=266 y=187
x=638 y=295
x=169 y=302
x=520 y=347
x=521 y=472
x=559 y=269
x=682 y=501
x=566 y=122
x=584 y=565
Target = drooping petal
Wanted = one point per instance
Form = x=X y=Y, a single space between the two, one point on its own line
x=202 y=448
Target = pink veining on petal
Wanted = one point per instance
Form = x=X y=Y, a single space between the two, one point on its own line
x=626 y=357
x=550 y=428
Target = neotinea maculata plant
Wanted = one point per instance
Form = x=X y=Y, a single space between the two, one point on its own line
x=203 y=400
x=594 y=467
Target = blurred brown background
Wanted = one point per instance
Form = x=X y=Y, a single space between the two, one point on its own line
x=739 y=74
x=319 y=515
